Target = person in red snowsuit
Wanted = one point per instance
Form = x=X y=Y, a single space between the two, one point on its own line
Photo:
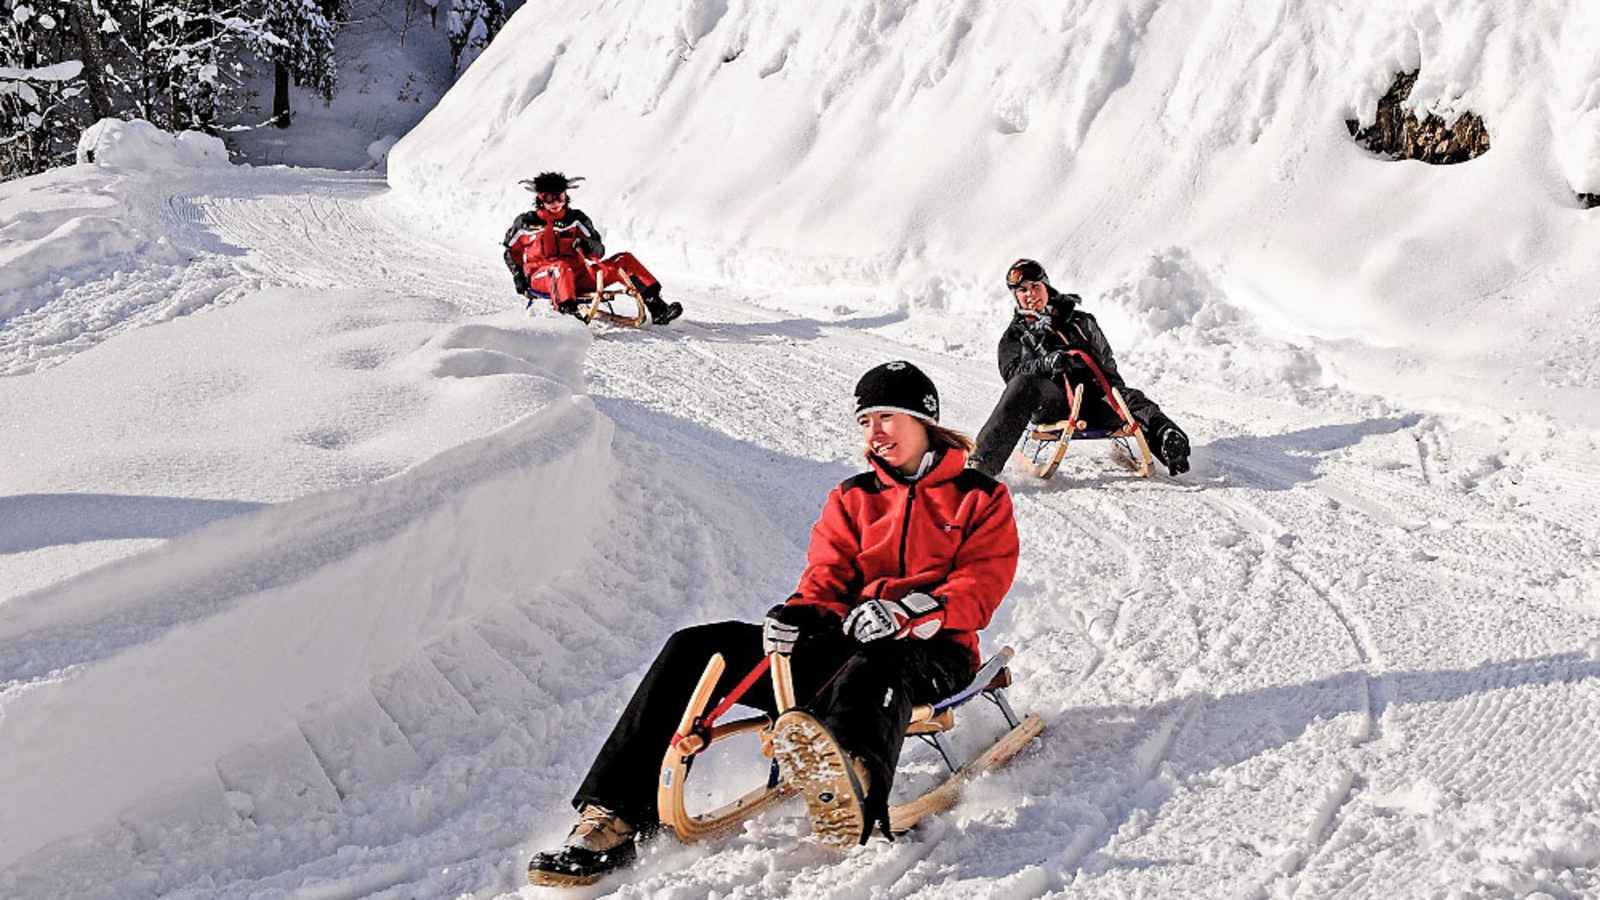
x=905 y=566
x=554 y=251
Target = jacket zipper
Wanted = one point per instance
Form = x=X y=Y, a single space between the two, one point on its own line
x=905 y=526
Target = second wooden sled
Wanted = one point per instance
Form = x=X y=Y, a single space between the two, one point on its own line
x=1044 y=445
x=697 y=731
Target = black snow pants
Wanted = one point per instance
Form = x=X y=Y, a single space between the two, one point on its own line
x=863 y=693
x=1043 y=399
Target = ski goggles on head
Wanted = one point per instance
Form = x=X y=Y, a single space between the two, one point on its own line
x=1023 y=271
x=552 y=199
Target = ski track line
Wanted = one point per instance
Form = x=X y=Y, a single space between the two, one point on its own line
x=1347 y=781
x=1151 y=753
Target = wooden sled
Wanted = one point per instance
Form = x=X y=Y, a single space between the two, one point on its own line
x=599 y=305
x=698 y=730
x=1044 y=445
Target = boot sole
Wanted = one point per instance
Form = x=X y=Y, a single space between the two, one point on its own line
x=541 y=878
x=812 y=762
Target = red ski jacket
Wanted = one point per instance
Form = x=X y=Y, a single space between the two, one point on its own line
x=950 y=534
x=538 y=238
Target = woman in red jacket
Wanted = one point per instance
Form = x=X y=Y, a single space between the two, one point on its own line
x=905 y=566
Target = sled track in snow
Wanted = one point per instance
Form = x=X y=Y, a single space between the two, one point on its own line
x=1255 y=681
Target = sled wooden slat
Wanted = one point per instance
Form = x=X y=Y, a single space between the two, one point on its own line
x=904 y=816
x=1063 y=436
x=1145 y=459
x=932 y=723
x=782 y=683
x=599 y=307
x=675 y=769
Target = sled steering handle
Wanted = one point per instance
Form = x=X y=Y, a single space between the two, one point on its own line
x=694 y=730
x=782 y=683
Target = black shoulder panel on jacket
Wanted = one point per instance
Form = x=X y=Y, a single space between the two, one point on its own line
x=973 y=480
x=866 y=481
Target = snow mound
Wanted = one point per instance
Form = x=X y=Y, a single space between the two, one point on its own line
x=136 y=144
x=1172 y=314
x=345 y=586
x=1172 y=292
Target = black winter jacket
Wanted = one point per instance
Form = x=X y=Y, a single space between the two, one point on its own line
x=1081 y=332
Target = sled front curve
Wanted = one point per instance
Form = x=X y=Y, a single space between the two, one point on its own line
x=679 y=759
x=600 y=303
x=599 y=307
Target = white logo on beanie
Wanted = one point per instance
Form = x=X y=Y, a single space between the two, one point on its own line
x=895 y=366
x=930 y=403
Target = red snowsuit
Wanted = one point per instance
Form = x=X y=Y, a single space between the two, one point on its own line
x=950 y=534
x=560 y=256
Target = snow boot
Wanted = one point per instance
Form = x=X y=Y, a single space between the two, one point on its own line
x=661 y=312
x=570 y=308
x=600 y=843
x=834 y=785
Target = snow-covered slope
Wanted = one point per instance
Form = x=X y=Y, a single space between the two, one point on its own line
x=917 y=148
x=325 y=569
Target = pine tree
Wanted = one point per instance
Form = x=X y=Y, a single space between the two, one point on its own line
x=41 y=107
x=298 y=41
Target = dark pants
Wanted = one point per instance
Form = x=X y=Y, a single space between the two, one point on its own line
x=1030 y=398
x=863 y=693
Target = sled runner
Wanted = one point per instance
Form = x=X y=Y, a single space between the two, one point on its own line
x=1045 y=444
x=698 y=730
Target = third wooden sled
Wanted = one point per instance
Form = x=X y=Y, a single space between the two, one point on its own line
x=1045 y=444
x=599 y=305
x=698 y=730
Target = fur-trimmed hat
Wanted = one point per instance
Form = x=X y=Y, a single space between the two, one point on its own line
x=898 y=387
x=551 y=183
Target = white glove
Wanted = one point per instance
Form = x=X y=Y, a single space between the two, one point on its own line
x=778 y=636
x=914 y=615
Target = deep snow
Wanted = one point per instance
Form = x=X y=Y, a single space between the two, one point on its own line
x=325 y=567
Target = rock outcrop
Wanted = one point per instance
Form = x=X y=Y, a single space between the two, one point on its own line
x=1399 y=134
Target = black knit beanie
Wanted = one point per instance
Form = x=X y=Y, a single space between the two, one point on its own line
x=898 y=387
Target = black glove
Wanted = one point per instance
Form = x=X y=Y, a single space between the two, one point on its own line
x=587 y=247
x=1037 y=335
x=1058 y=361
x=520 y=282
x=1172 y=445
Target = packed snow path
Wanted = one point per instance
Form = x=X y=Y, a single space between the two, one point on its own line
x=1351 y=654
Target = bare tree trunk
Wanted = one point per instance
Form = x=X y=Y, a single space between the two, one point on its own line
x=94 y=58
x=280 y=95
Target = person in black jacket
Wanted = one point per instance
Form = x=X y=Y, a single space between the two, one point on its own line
x=1034 y=358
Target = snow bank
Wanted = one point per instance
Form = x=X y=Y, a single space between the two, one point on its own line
x=915 y=149
x=136 y=677
x=136 y=144
x=66 y=228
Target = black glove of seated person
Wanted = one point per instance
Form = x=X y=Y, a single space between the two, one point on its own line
x=1173 y=448
x=1057 y=361
x=520 y=282
x=1036 y=336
